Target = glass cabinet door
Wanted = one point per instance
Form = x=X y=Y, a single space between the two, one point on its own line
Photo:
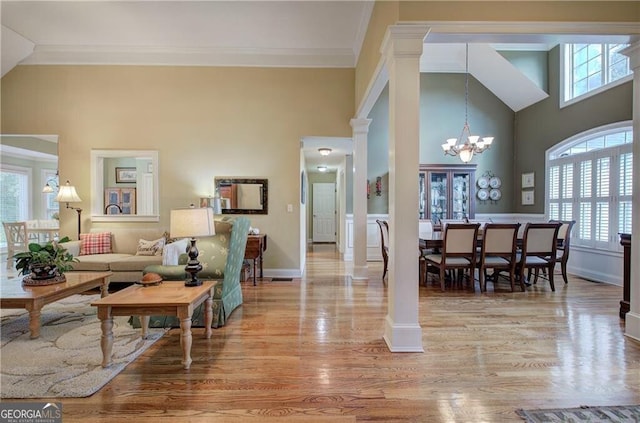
x=438 y=195
x=422 y=198
x=460 y=196
x=446 y=192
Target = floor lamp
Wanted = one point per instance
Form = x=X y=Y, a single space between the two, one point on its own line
x=68 y=194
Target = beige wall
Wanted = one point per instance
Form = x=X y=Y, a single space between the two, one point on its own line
x=526 y=11
x=204 y=121
x=384 y=13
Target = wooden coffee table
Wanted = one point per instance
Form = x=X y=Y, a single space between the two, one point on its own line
x=13 y=294
x=168 y=298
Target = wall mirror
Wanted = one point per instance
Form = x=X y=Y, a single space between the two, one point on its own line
x=29 y=163
x=243 y=196
x=124 y=186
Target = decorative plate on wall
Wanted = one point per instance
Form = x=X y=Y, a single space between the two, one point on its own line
x=483 y=194
x=483 y=182
x=495 y=182
x=495 y=194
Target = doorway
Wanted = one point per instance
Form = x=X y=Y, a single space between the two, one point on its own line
x=324 y=212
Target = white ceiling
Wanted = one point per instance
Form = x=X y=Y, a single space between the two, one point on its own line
x=258 y=33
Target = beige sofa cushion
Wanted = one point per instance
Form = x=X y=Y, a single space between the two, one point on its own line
x=134 y=263
x=98 y=262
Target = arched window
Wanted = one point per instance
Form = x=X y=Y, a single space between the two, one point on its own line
x=589 y=180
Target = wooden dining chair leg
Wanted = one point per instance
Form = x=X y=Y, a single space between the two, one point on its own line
x=553 y=287
x=442 y=278
x=563 y=267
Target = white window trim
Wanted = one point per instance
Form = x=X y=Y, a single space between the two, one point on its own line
x=563 y=83
x=610 y=128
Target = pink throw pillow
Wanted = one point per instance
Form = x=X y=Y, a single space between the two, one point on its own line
x=95 y=243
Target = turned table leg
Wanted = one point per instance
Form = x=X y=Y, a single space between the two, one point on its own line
x=34 y=320
x=185 y=340
x=106 y=341
x=208 y=316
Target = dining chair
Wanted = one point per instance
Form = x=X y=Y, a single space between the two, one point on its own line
x=16 y=235
x=384 y=244
x=498 y=252
x=442 y=223
x=458 y=251
x=539 y=248
x=564 y=242
x=425 y=230
x=32 y=236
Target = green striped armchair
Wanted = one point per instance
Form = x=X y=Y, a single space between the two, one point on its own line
x=221 y=257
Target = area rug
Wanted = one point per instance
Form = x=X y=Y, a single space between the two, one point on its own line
x=622 y=414
x=65 y=361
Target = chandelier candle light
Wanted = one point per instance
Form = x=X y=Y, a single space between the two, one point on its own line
x=473 y=144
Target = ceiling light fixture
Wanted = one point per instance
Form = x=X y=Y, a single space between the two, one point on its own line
x=473 y=144
x=322 y=168
x=324 y=151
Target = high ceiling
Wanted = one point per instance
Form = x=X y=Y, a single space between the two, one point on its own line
x=260 y=33
x=292 y=33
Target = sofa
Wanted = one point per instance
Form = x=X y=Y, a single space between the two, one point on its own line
x=221 y=256
x=124 y=259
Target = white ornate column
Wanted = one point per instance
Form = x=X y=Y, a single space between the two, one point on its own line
x=402 y=48
x=360 y=132
x=632 y=320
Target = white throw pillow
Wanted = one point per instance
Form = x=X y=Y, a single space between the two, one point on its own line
x=171 y=252
x=150 y=248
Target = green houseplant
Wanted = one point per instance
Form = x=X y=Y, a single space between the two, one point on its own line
x=45 y=261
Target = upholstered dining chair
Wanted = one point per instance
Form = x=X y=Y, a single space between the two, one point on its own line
x=498 y=252
x=384 y=245
x=16 y=235
x=442 y=223
x=458 y=250
x=539 y=248
x=425 y=231
x=564 y=242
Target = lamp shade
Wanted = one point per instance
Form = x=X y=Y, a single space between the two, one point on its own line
x=192 y=222
x=68 y=194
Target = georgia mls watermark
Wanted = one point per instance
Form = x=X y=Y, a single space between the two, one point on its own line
x=30 y=412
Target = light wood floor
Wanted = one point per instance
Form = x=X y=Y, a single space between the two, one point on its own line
x=311 y=350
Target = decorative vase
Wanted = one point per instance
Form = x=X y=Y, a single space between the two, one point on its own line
x=43 y=271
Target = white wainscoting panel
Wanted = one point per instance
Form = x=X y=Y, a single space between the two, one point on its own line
x=374 y=244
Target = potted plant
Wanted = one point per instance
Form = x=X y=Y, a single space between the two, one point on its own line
x=45 y=261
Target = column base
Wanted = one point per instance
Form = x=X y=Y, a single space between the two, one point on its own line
x=360 y=273
x=402 y=337
x=632 y=325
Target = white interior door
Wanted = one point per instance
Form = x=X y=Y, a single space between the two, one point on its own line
x=324 y=212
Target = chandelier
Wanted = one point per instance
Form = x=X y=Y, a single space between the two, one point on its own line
x=473 y=144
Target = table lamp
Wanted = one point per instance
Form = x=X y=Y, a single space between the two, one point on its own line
x=68 y=194
x=192 y=222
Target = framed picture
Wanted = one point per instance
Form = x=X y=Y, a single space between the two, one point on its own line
x=125 y=175
x=528 y=180
x=527 y=198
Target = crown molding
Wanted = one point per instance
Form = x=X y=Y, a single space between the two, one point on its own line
x=141 y=55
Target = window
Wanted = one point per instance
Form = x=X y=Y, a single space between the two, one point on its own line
x=14 y=196
x=589 y=180
x=592 y=68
